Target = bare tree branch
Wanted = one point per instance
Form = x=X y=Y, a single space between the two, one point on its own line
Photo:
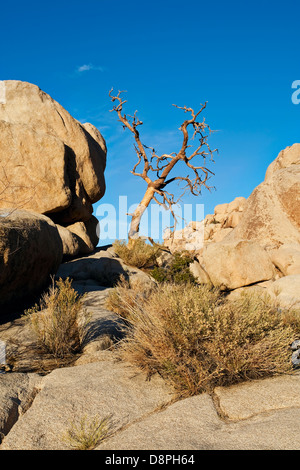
x=156 y=169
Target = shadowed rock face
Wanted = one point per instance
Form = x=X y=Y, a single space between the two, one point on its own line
x=49 y=161
x=30 y=251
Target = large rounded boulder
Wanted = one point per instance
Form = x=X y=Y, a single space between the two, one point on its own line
x=50 y=163
x=30 y=252
x=236 y=264
x=272 y=213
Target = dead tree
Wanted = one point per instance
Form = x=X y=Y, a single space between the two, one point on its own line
x=155 y=169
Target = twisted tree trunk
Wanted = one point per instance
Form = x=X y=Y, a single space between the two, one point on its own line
x=139 y=211
x=162 y=165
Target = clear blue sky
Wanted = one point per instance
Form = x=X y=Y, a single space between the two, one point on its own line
x=240 y=56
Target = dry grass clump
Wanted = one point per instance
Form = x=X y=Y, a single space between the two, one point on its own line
x=197 y=340
x=60 y=321
x=87 y=433
x=128 y=295
x=138 y=253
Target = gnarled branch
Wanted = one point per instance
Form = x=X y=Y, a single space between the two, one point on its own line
x=157 y=168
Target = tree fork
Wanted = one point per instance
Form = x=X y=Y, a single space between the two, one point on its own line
x=162 y=165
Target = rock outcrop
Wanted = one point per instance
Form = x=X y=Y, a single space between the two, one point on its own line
x=80 y=238
x=261 y=414
x=104 y=388
x=214 y=228
x=141 y=411
x=234 y=264
x=17 y=391
x=287 y=258
x=103 y=267
x=272 y=213
x=30 y=251
x=50 y=163
x=248 y=242
x=286 y=290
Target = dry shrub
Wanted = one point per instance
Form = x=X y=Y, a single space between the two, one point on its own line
x=87 y=433
x=127 y=296
x=197 y=340
x=138 y=253
x=60 y=321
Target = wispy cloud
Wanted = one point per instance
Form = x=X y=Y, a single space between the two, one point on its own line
x=88 y=67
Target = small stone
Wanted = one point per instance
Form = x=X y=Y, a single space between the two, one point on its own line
x=295 y=345
x=296 y=358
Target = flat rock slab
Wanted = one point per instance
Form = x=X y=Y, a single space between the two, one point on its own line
x=193 y=424
x=36 y=411
x=187 y=424
x=103 y=267
x=258 y=415
x=106 y=388
x=102 y=322
x=259 y=396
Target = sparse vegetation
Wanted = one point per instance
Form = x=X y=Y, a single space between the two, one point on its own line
x=138 y=253
x=127 y=296
x=142 y=255
x=196 y=339
x=59 y=321
x=177 y=271
x=88 y=433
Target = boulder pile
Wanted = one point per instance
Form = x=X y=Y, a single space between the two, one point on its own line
x=213 y=228
x=51 y=174
x=50 y=163
x=253 y=243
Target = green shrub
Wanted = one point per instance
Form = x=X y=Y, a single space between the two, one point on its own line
x=177 y=271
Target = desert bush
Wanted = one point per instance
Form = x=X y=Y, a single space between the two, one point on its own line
x=138 y=253
x=177 y=271
x=87 y=433
x=127 y=295
x=197 y=340
x=142 y=255
x=59 y=321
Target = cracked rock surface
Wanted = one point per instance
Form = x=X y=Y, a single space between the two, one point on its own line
x=258 y=415
x=36 y=411
x=17 y=391
x=103 y=388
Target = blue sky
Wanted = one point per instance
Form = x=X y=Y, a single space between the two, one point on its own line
x=240 y=56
